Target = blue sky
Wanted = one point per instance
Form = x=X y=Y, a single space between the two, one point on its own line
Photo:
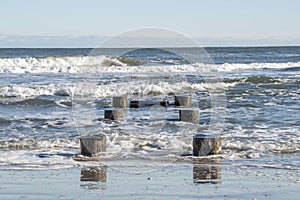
x=69 y=23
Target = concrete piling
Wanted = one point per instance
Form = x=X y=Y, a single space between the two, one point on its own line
x=92 y=145
x=164 y=103
x=189 y=115
x=184 y=101
x=204 y=145
x=113 y=114
x=134 y=104
x=119 y=101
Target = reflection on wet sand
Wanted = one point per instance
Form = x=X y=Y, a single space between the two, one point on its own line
x=92 y=176
x=206 y=174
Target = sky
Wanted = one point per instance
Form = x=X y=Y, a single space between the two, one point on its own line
x=79 y=23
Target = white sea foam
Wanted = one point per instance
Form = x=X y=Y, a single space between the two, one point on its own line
x=130 y=141
x=262 y=140
x=241 y=66
x=98 y=64
x=53 y=64
x=29 y=90
x=152 y=147
x=119 y=144
x=99 y=91
x=35 y=143
x=43 y=159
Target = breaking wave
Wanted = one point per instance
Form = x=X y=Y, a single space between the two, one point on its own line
x=96 y=64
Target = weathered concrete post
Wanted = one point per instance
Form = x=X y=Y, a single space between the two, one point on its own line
x=204 y=145
x=138 y=104
x=164 y=103
x=113 y=114
x=189 y=115
x=185 y=101
x=119 y=101
x=92 y=145
x=134 y=104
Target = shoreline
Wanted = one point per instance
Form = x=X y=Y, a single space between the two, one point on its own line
x=123 y=180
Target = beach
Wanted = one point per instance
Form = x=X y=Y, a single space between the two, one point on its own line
x=175 y=181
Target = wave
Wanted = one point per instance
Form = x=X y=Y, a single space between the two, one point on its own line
x=164 y=142
x=29 y=90
x=133 y=87
x=100 y=91
x=260 y=79
x=35 y=143
x=58 y=153
x=4 y=121
x=63 y=64
x=96 y=64
x=227 y=67
x=292 y=69
x=32 y=101
x=65 y=91
x=37 y=101
x=263 y=79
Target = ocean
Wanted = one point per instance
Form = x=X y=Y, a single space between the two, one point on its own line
x=51 y=97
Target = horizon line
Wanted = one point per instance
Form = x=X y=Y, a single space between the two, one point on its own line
x=212 y=46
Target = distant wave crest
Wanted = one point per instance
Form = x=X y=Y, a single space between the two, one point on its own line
x=98 y=64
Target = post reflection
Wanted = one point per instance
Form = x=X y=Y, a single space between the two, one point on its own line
x=206 y=174
x=92 y=177
x=93 y=174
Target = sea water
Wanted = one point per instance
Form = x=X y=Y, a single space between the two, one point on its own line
x=51 y=97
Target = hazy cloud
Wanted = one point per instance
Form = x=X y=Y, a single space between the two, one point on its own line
x=49 y=41
x=20 y=41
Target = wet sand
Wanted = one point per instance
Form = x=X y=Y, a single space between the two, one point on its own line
x=122 y=180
